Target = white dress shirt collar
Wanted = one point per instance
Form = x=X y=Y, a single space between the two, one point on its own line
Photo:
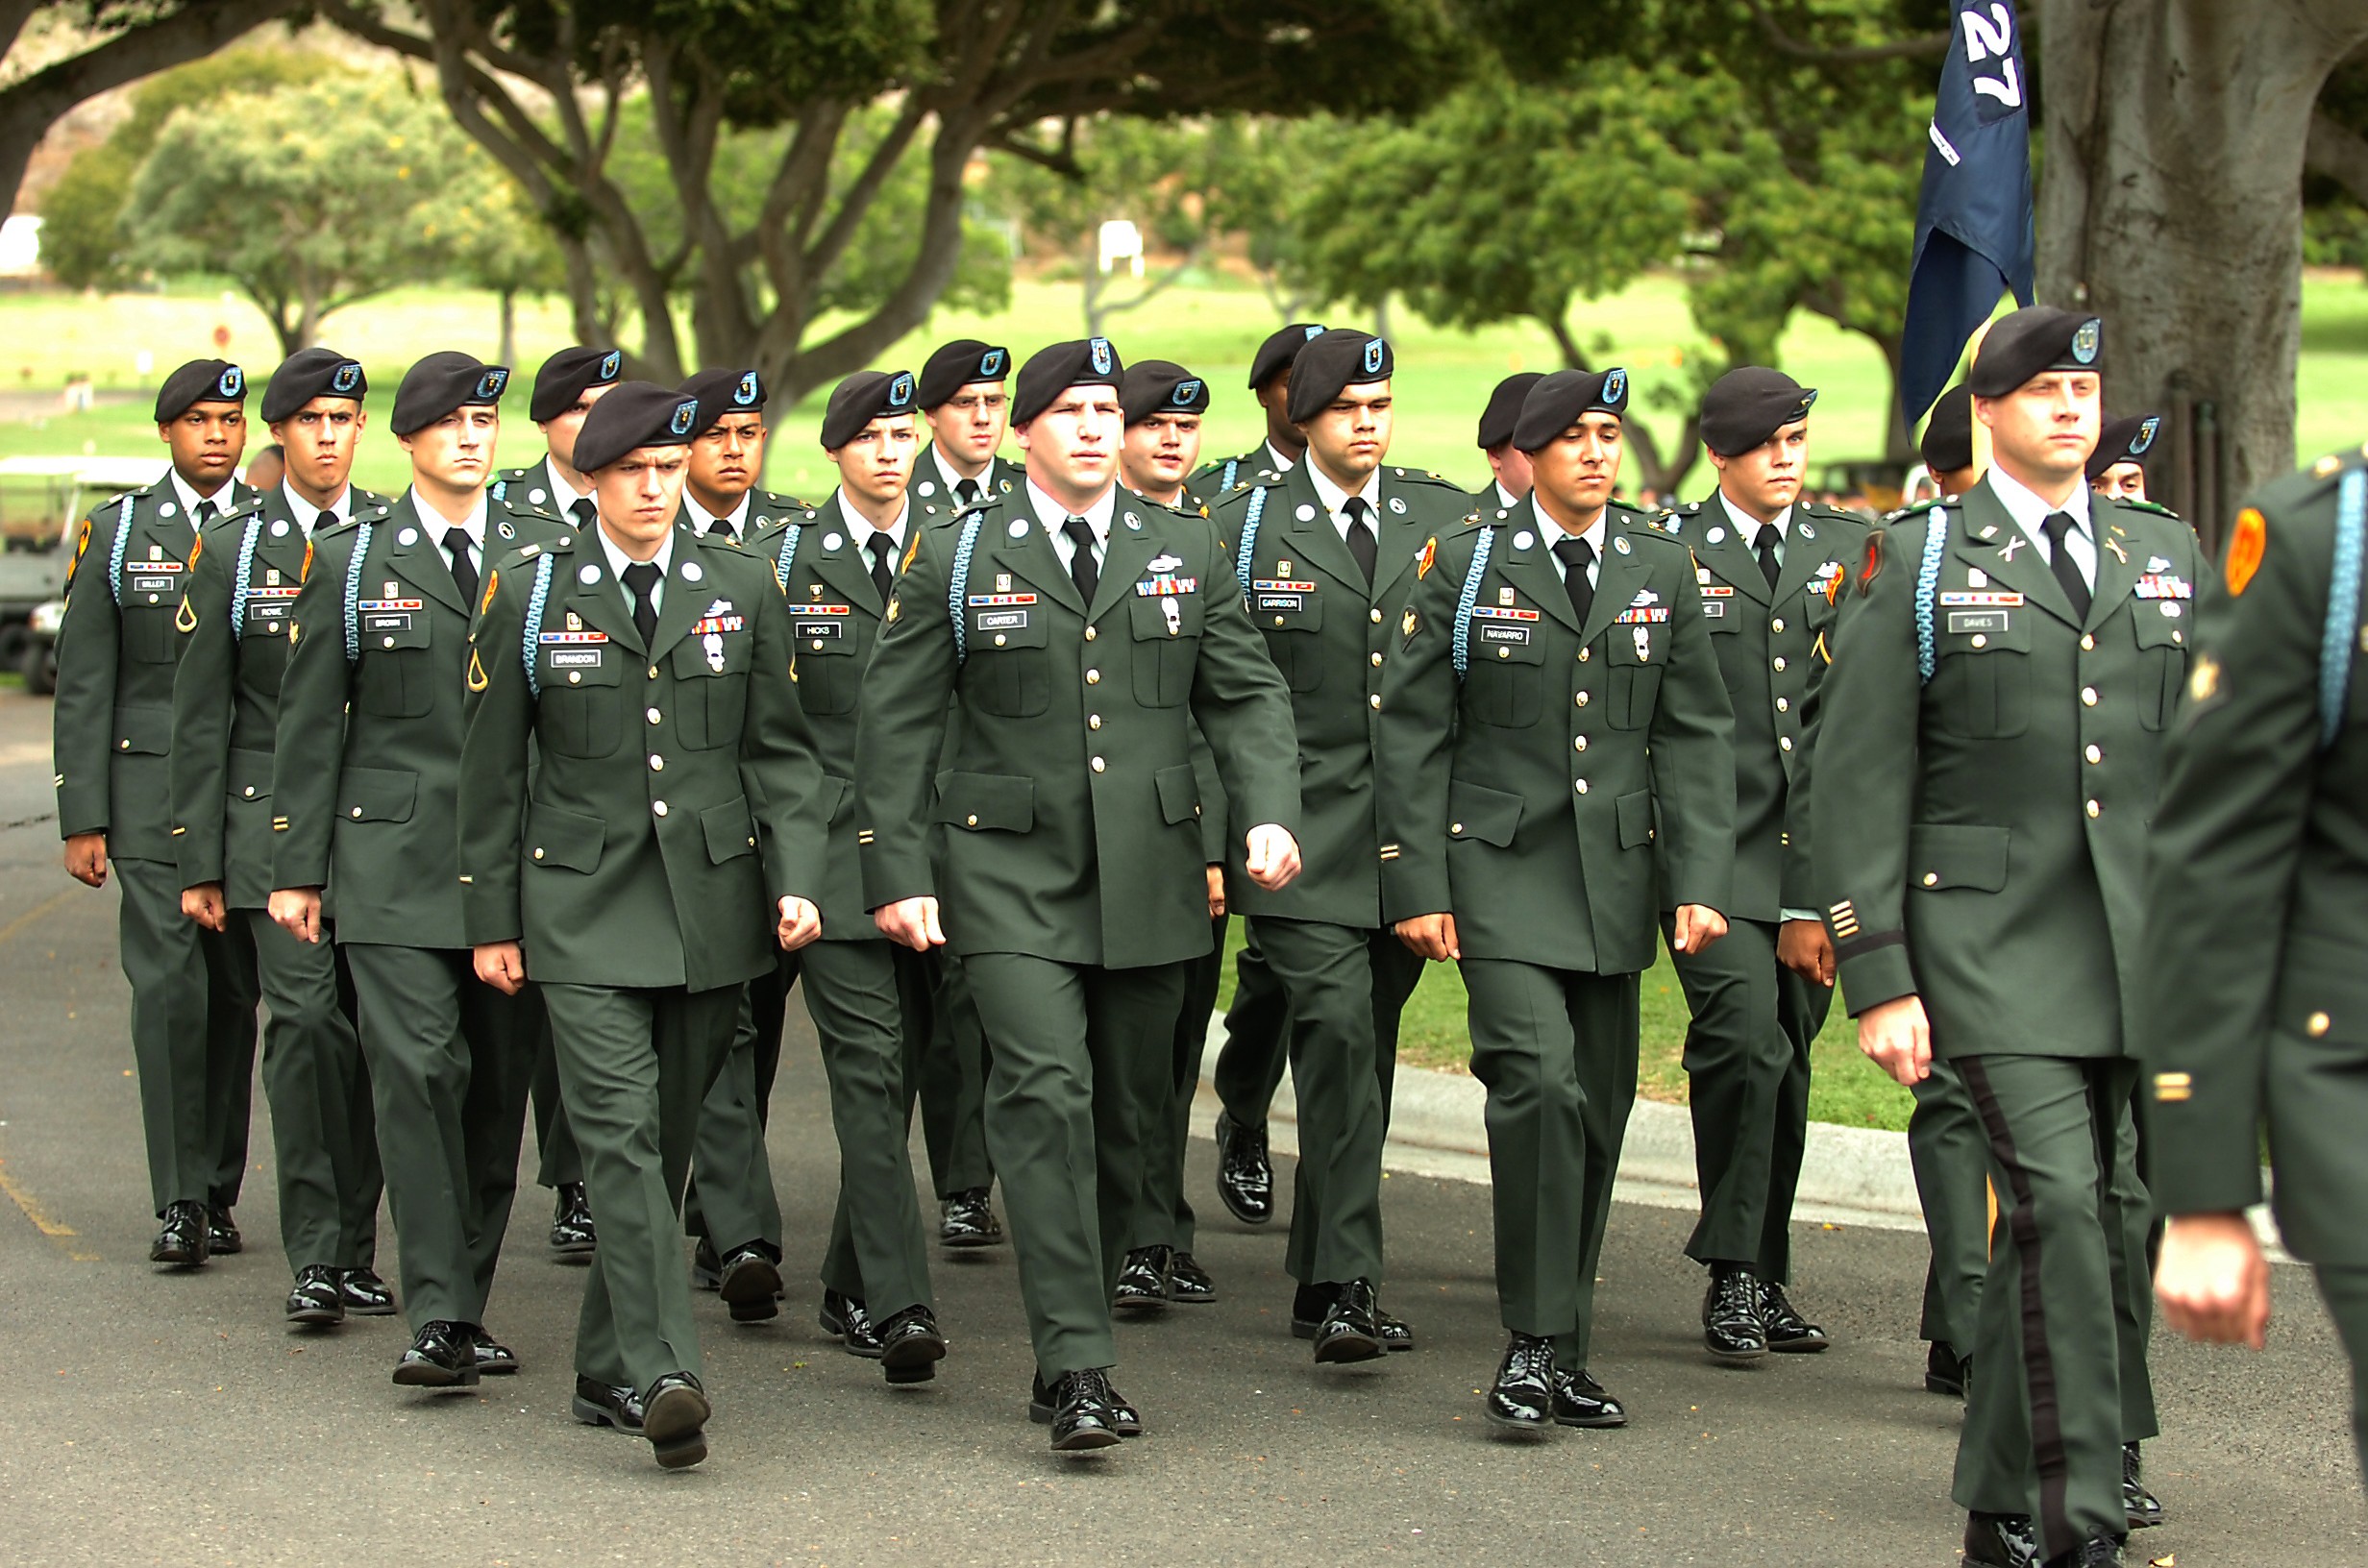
x=860 y=528
x=618 y=561
x=1050 y=514
x=1505 y=497
x=1551 y=533
x=435 y=522
x=563 y=495
x=704 y=520
x=1281 y=463
x=2030 y=512
x=1334 y=498
x=1747 y=527
x=308 y=516
x=946 y=474
x=189 y=498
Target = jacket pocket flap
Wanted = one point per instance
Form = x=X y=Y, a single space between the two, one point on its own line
x=730 y=654
x=994 y=627
x=1635 y=813
x=250 y=776
x=731 y=832
x=564 y=838
x=578 y=665
x=1179 y=792
x=1500 y=641
x=376 y=794
x=146 y=732
x=1963 y=856
x=1474 y=811
x=2161 y=623
x=988 y=802
x=1274 y=608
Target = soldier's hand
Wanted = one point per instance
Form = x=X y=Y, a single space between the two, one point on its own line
x=1699 y=926
x=503 y=966
x=299 y=911
x=912 y=922
x=205 y=904
x=1898 y=1037
x=800 y=923
x=1216 y=892
x=85 y=858
x=1804 y=947
x=1273 y=856
x=2212 y=1280
x=1432 y=936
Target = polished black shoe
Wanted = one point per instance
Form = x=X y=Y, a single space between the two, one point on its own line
x=1732 y=1327
x=845 y=1321
x=1523 y=1397
x=674 y=1417
x=222 y=1232
x=706 y=1268
x=911 y=1346
x=2145 y=1509
x=1124 y=1419
x=2000 y=1540
x=1081 y=1408
x=1349 y=1332
x=1580 y=1401
x=1395 y=1333
x=967 y=1219
x=183 y=1241
x=750 y=1282
x=1788 y=1333
x=1244 y=1171
x=441 y=1356
x=2096 y=1551
x=570 y=1224
x=606 y=1405
x=1188 y=1282
x=1944 y=1373
x=1143 y=1281
x=364 y=1294
x=315 y=1301
x=494 y=1359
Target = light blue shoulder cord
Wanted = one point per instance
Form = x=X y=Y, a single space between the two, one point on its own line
x=789 y=553
x=533 y=640
x=1225 y=483
x=958 y=585
x=1927 y=586
x=123 y=537
x=1241 y=567
x=241 y=575
x=352 y=593
x=1470 y=597
x=2342 y=603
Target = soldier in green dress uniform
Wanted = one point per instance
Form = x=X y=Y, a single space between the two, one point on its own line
x=1521 y=815
x=1508 y=464
x=192 y=1001
x=2118 y=466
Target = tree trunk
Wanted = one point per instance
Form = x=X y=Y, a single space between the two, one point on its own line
x=2172 y=207
x=508 y=353
x=1896 y=447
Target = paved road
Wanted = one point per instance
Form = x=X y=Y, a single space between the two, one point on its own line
x=172 y=1418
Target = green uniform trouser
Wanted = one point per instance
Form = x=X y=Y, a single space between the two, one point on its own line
x=867 y=999
x=450 y=1061
x=1747 y=1065
x=634 y=1066
x=945 y=1070
x=1951 y=1160
x=1249 y=1065
x=730 y=1200
x=2344 y=1287
x=1346 y=987
x=192 y=1038
x=1078 y=1050
x=358 y=1203
x=326 y=1158
x=1557 y=1051
x=1164 y=1218
x=558 y=1163
x=2060 y=1379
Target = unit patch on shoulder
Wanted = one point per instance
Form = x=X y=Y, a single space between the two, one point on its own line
x=910 y=551
x=493 y=580
x=1425 y=561
x=2247 y=543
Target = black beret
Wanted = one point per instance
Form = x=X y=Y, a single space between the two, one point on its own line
x=1948 y=435
x=1504 y=408
x=1556 y=402
x=862 y=398
x=1280 y=350
x=309 y=374
x=722 y=392
x=442 y=382
x=566 y=374
x=1748 y=404
x=635 y=415
x=2032 y=342
x=955 y=365
x=1049 y=372
x=1331 y=363
x=1161 y=387
x=2124 y=441
x=200 y=380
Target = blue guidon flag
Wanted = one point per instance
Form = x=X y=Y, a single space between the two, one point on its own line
x=1973 y=218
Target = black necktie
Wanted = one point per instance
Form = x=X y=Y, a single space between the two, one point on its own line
x=202 y=514
x=582 y=511
x=724 y=531
x=642 y=577
x=965 y=491
x=1575 y=554
x=328 y=520
x=1769 y=539
x=464 y=570
x=2061 y=562
x=883 y=575
x=1083 y=570
x=1360 y=540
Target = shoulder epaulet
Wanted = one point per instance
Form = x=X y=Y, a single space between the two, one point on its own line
x=2154 y=506
x=1424 y=475
x=347 y=524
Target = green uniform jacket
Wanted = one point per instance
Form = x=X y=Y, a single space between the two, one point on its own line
x=1073 y=819
x=1768 y=642
x=769 y=512
x=226 y=699
x=661 y=771
x=117 y=650
x=1980 y=841
x=1530 y=807
x=367 y=778
x=933 y=502
x=2253 y=1000
x=1216 y=481
x=1330 y=635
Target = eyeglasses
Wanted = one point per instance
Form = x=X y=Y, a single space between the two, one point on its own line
x=970 y=403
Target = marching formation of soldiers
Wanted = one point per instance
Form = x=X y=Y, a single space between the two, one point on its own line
x=541 y=787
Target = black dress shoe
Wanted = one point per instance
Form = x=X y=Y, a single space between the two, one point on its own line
x=441 y=1356
x=674 y=1417
x=1732 y=1327
x=706 y=1268
x=1080 y=1407
x=364 y=1294
x=1580 y=1401
x=571 y=1223
x=1143 y=1281
x=1523 y=1397
x=2096 y=1551
x=1188 y=1282
x=1395 y=1333
x=1788 y=1333
x=1124 y=1416
x=911 y=1346
x=606 y=1405
x=1349 y=1332
x=750 y=1282
x=1245 y=1172
x=183 y=1240
x=845 y=1321
x=967 y=1219
x=2145 y=1509
x=1944 y=1373
x=315 y=1301
x=1124 y=1419
x=222 y=1232
x=493 y=1358
x=2000 y=1540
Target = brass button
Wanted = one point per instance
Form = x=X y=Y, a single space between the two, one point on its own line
x=1374 y=700
x=655 y=716
x=249 y=791
x=1783 y=743
x=1583 y=655
x=1455 y=827
x=1090 y=634
x=1092 y=720
x=1503 y=653
x=1093 y=677
x=1581 y=785
x=658 y=806
x=539 y=851
x=2094 y=754
x=1778 y=661
x=575 y=677
x=2094 y=808
x=2088 y=643
x=653 y=672
x=1579 y=745
x=1098 y=765
x=1000 y=640
x=1377 y=617
x=2177 y=636
x=2088 y=697
x=387 y=641
x=1776 y=624
x=971 y=820
x=1376 y=661
x=1783 y=704
x=657 y=764
x=1582 y=700
x=818 y=644
x=1932 y=879
x=1979 y=641
x=1278 y=620
x=2319 y=1024
x=358 y=813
